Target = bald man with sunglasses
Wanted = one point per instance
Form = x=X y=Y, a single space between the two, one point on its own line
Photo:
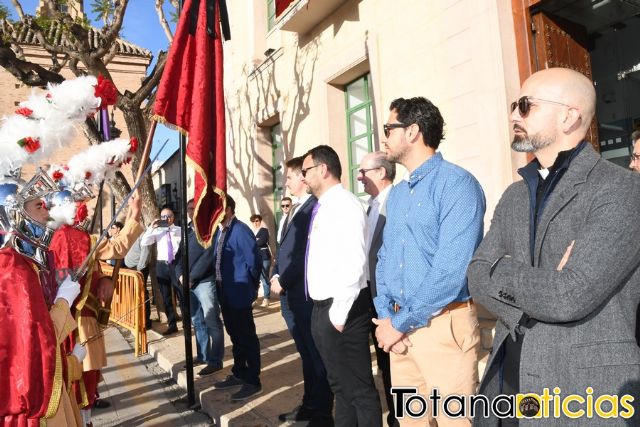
x=559 y=265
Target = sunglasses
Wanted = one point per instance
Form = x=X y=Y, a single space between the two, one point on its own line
x=388 y=127
x=304 y=171
x=525 y=103
x=285 y=206
x=166 y=216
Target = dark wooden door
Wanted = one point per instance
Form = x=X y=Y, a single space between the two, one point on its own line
x=560 y=43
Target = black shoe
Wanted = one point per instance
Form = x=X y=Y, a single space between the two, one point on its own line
x=245 y=392
x=297 y=414
x=101 y=404
x=170 y=330
x=196 y=362
x=209 y=369
x=230 y=381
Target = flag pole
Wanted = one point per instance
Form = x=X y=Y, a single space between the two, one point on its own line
x=186 y=295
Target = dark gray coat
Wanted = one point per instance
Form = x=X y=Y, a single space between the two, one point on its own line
x=584 y=335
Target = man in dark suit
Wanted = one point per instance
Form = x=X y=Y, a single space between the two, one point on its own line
x=288 y=275
x=560 y=265
x=237 y=272
x=377 y=174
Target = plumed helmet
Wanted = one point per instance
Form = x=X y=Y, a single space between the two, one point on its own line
x=20 y=230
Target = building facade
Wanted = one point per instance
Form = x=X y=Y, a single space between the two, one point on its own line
x=299 y=73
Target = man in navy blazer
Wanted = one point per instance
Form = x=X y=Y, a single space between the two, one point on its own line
x=288 y=276
x=237 y=271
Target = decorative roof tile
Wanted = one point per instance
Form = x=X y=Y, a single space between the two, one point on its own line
x=56 y=36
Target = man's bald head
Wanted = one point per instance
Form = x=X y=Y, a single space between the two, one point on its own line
x=567 y=86
x=555 y=109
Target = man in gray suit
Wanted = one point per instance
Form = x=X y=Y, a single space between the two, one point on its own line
x=377 y=174
x=559 y=265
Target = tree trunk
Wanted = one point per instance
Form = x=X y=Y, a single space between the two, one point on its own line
x=137 y=125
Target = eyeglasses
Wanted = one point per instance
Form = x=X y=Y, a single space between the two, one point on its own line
x=304 y=171
x=285 y=206
x=524 y=104
x=166 y=216
x=634 y=157
x=388 y=127
x=364 y=171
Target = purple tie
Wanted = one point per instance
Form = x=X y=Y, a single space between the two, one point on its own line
x=169 y=247
x=315 y=210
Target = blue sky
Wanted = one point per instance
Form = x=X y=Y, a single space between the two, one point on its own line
x=141 y=27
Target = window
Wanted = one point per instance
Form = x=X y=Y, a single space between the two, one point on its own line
x=271 y=14
x=278 y=170
x=359 y=127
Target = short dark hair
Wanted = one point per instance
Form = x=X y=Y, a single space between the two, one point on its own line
x=421 y=111
x=286 y=198
x=295 y=164
x=255 y=217
x=231 y=204
x=168 y=207
x=119 y=225
x=323 y=154
x=635 y=135
x=382 y=162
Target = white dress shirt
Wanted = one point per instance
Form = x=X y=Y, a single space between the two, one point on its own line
x=159 y=235
x=337 y=257
x=375 y=205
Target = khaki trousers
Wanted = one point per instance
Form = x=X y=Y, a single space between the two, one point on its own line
x=444 y=355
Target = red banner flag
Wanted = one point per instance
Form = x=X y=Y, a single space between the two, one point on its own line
x=190 y=97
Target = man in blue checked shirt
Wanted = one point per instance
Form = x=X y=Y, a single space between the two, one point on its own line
x=427 y=319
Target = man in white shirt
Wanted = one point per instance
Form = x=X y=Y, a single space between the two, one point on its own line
x=335 y=280
x=167 y=238
x=377 y=174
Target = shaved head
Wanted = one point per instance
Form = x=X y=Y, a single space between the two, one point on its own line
x=554 y=112
x=568 y=86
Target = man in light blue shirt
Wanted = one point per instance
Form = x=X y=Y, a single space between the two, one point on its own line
x=434 y=224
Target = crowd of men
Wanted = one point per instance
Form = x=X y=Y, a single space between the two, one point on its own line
x=558 y=267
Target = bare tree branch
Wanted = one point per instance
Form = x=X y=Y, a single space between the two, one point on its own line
x=59 y=65
x=9 y=28
x=113 y=51
x=163 y=21
x=110 y=33
x=30 y=22
x=19 y=10
x=73 y=66
x=151 y=81
x=28 y=73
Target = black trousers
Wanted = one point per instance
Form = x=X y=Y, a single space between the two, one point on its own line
x=166 y=283
x=317 y=393
x=348 y=361
x=384 y=364
x=246 y=348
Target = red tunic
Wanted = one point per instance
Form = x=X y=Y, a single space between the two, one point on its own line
x=27 y=343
